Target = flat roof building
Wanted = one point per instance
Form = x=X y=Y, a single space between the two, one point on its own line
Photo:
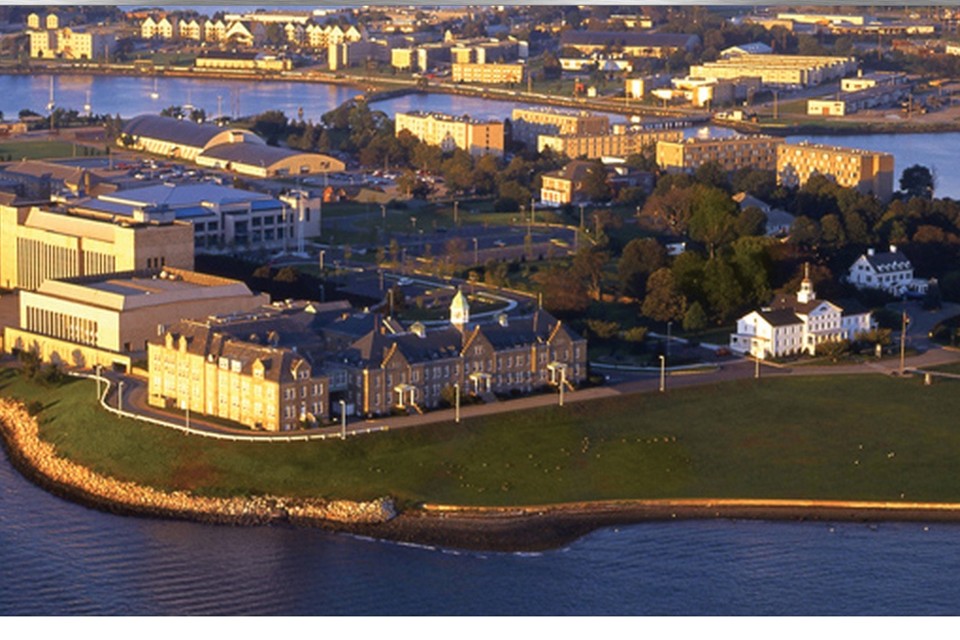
x=778 y=70
x=40 y=243
x=736 y=152
x=866 y=171
x=221 y=216
x=449 y=132
x=530 y=123
x=107 y=319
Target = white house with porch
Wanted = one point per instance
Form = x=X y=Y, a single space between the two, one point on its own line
x=796 y=324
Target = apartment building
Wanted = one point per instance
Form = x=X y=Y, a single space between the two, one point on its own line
x=620 y=143
x=40 y=243
x=449 y=132
x=737 y=152
x=528 y=124
x=107 y=319
x=490 y=73
x=201 y=365
x=568 y=185
x=778 y=70
x=867 y=171
x=72 y=43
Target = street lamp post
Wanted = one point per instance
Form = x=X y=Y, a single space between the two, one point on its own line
x=476 y=255
x=456 y=402
x=383 y=211
x=343 y=420
x=581 y=216
x=563 y=380
x=756 y=371
x=456 y=213
x=663 y=373
x=322 y=252
x=186 y=407
x=120 y=396
x=99 y=379
x=903 y=339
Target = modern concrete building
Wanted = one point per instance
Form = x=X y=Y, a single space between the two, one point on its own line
x=736 y=152
x=449 y=132
x=795 y=324
x=488 y=73
x=108 y=319
x=40 y=243
x=222 y=217
x=778 y=70
x=529 y=123
x=867 y=171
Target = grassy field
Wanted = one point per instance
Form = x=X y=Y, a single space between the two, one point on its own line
x=41 y=149
x=872 y=438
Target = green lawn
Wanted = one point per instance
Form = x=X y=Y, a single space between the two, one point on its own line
x=868 y=437
x=40 y=150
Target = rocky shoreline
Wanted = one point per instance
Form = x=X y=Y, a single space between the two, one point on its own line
x=528 y=528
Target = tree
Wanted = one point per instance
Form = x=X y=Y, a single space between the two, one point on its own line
x=917 y=182
x=562 y=291
x=751 y=222
x=722 y=289
x=832 y=232
x=664 y=301
x=694 y=319
x=603 y=329
x=641 y=257
x=712 y=221
x=588 y=265
x=596 y=185
x=805 y=231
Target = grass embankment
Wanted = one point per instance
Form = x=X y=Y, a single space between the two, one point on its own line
x=39 y=150
x=863 y=438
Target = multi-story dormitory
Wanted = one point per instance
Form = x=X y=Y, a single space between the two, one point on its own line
x=233 y=366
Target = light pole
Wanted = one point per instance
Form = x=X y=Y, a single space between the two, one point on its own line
x=99 y=379
x=456 y=402
x=343 y=420
x=563 y=380
x=383 y=211
x=186 y=407
x=581 y=216
x=322 y=252
x=663 y=373
x=756 y=371
x=456 y=214
x=903 y=340
x=120 y=396
x=476 y=258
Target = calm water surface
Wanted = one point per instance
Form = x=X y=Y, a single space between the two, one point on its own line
x=130 y=96
x=58 y=558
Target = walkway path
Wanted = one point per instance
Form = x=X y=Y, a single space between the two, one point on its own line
x=135 y=400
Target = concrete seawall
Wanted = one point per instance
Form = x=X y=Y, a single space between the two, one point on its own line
x=39 y=461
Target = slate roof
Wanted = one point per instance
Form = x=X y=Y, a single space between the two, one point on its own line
x=888 y=261
x=184 y=132
x=780 y=317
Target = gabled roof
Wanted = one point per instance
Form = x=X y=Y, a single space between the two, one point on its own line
x=888 y=261
x=779 y=317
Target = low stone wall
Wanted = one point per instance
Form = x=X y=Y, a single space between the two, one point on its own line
x=39 y=460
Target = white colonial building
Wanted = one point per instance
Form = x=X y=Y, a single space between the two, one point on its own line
x=890 y=271
x=796 y=324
